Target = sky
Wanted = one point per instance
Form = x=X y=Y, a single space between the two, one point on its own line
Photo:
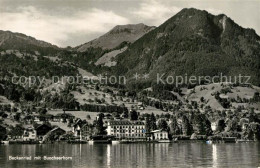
x=74 y=22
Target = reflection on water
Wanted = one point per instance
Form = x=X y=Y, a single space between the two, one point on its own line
x=135 y=155
x=108 y=156
x=214 y=156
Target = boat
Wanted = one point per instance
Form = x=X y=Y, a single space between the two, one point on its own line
x=91 y=142
x=126 y=141
x=209 y=142
x=164 y=141
x=5 y=142
x=175 y=140
x=100 y=141
x=244 y=141
x=114 y=142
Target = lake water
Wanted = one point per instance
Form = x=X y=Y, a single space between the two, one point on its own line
x=134 y=155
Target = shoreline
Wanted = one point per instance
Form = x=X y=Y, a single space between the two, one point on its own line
x=126 y=142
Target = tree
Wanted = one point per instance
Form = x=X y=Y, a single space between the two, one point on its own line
x=202 y=99
x=17 y=130
x=88 y=117
x=101 y=115
x=256 y=130
x=186 y=126
x=201 y=125
x=221 y=125
x=126 y=114
x=70 y=122
x=99 y=125
x=3 y=115
x=162 y=124
x=2 y=133
x=153 y=122
x=133 y=115
x=252 y=116
x=252 y=131
x=42 y=111
x=256 y=97
x=17 y=116
x=174 y=128
x=232 y=125
x=147 y=123
x=194 y=104
x=97 y=87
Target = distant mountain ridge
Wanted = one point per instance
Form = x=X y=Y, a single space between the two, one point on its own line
x=116 y=36
x=192 y=42
x=11 y=40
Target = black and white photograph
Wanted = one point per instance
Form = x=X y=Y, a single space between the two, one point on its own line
x=129 y=83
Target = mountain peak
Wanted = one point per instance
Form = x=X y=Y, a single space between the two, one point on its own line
x=192 y=11
x=130 y=28
x=220 y=45
x=117 y=35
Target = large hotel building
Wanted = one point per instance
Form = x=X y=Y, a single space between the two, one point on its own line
x=126 y=129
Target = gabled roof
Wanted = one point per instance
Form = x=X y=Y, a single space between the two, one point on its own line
x=42 y=125
x=125 y=122
x=155 y=131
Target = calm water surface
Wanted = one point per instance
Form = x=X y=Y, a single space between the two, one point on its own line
x=135 y=155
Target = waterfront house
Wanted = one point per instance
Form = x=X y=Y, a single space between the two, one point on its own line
x=158 y=135
x=126 y=129
x=83 y=131
x=86 y=131
x=76 y=128
x=42 y=130
x=57 y=131
x=29 y=134
x=54 y=134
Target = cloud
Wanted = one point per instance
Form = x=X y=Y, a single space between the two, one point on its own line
x=58 y=28
x=155 y=12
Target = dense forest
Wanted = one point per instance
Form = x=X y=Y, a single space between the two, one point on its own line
x=31 y=66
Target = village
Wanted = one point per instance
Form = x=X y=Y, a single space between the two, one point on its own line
x=66 y=127
x=123 y=119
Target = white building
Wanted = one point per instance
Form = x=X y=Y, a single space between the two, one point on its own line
x=126 y=129
x=29 y=134
x=214 y=126
x=159 y=135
